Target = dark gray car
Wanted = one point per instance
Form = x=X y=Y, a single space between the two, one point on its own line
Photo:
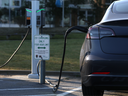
x=104 y=53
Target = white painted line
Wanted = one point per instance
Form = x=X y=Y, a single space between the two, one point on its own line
x=62 y=94
x=67 y=87
x=34 y=88
x=42 y=95
x=24 y=89
x=68 y=92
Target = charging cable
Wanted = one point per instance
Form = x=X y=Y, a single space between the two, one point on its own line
x=16 y=49
x=80 y=28
x=39 y=62
x=55 y=87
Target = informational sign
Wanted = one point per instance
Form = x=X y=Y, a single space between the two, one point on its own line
x=42 y=46
x=58 y=3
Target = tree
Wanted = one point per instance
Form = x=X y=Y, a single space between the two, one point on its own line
x=20 y=19
x=76 y=2
x=5 y=12
x=0 y=15
x=99 y=8
x=57 y=12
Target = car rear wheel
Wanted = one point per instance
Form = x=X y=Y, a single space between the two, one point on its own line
x=91 y=91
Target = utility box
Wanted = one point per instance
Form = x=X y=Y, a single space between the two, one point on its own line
x=40 y=16
x=28 y=17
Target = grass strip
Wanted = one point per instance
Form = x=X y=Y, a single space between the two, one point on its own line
x=22 y=60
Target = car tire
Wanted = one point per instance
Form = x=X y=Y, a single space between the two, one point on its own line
x=91 y=91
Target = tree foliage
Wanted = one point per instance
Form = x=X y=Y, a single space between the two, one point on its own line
x=76 y=2
x=99 y=8
x=57 y=12
x=1 y=13
x=20 y=19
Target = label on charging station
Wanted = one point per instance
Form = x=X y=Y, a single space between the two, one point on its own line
x=42 y=46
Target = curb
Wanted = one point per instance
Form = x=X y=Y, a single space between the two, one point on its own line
x=26 y=72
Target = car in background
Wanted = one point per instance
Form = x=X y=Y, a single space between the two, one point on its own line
x=104 y=53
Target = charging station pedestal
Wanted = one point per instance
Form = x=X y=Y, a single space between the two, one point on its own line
x=35 y=31
x=35 y=18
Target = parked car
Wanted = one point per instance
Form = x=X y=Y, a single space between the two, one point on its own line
x=104 y=53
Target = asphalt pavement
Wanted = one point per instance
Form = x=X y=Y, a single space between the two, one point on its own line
x=17 y=83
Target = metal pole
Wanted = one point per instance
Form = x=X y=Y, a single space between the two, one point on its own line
x=42 y=67
x=42 y=72
x=63 y=14
x=9 y=14
x=35 y=31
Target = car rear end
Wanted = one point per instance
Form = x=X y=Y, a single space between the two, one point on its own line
x=105 y=60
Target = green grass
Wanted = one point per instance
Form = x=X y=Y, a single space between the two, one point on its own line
x=22 y=60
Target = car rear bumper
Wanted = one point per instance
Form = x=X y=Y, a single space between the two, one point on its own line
x=117 y=78
x=107 y=81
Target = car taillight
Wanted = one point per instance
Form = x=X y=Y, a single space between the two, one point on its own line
x=97 y=33
x=106 y=32
x=101 y=73
x=92 y=33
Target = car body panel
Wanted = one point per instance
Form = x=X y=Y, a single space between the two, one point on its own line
x=112 y=16
x=118 y=74
x=114 y=45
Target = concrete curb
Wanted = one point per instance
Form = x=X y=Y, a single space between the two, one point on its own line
x=26 y=72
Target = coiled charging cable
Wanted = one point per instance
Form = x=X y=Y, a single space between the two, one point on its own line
x=16 y=49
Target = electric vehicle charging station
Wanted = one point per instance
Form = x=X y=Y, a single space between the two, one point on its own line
x=35 y=18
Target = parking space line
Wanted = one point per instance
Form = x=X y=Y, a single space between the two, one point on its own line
x=67 y=87
x=42 y=95
x=16 y=89
x=68 y=92
x=61 y=94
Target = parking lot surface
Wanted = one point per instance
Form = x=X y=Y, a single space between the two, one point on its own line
x=21 y=85
x=15 y=85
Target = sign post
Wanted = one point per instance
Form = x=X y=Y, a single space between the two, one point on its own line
x=42 y=47
x=60 y=3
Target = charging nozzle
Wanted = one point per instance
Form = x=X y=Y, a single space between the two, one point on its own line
x=55 y=88
x=80 y=28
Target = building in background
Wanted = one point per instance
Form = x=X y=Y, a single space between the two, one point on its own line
x=12 y=13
